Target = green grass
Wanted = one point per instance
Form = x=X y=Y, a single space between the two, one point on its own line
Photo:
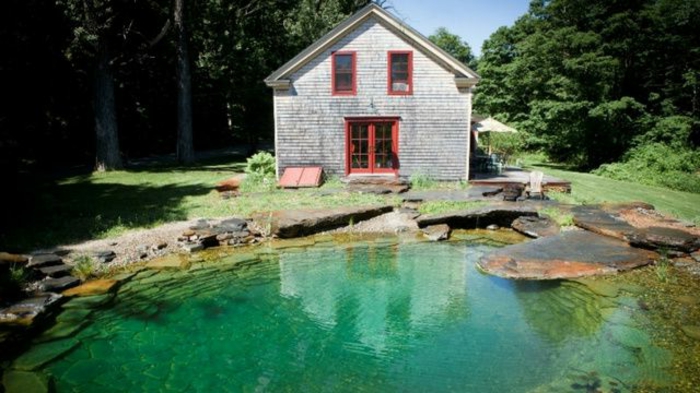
x=588 y=189
x=88 y=206
x=439 y=207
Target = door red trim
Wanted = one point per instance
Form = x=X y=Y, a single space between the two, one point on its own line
x=371 y=122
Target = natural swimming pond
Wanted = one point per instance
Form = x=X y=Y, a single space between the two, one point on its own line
x=373 y=316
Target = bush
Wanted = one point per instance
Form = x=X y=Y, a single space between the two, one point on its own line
x=85 y=267
x=13 y=280
x=421 y=181
x=260 y=173
x=657 y=164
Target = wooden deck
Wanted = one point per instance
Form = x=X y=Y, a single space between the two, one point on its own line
x=512 y=175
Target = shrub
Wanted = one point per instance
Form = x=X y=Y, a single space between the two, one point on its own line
x=657 y=164
x=13 y=281
x=260 y=173
x=85 y=267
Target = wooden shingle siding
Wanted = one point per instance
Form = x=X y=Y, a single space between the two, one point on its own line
x=434 y=120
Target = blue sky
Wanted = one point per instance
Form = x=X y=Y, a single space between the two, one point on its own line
x=472 y=20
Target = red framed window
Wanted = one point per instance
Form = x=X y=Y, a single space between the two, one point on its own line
x=343 y=77
x=400 y=72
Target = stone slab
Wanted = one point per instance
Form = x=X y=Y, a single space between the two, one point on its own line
x=16 y=381
x=59 y=284
x=567 y=255
x=502 y=214
x=56 y=270
x=297 y=223
x=474 y=193
x=27 y=310
x=39 y=355
x=172 y=261
x=8 y=258
x=604 y=219
x=95 y=287
x=41 y=260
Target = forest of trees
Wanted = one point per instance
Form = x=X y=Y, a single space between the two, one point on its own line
x=605 y=85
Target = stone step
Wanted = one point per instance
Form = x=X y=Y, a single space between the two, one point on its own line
x=41 y=260
x=59 y=284
x=56 y=270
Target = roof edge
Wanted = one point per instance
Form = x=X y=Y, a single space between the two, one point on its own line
x=353 y=21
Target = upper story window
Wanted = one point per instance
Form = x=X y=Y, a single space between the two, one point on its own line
x=344 y=75
x=400 y=72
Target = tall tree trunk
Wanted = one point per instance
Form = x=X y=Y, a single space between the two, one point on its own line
x=185 y=149
x=106 y=133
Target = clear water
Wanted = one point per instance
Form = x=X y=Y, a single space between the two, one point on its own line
x=357 y=317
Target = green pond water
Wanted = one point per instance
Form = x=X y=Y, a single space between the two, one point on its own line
x=368 y=316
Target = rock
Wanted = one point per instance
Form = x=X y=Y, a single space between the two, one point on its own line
x=39 y=355
x=437 y=232
x=41 y=260
x=26 y=382
x=536 y=226
x=502 y=214
x=188 y=233
x=410 y=212
x=58 y=284
x=84 y=302
x=60 y=330
x=691 y=331
x=493 y=227
x=512 y=192
x=7 y=258
x=377 y=185
x=603 y=219
x=172 y=261
x=696 y=256
x=664 y=238
x=201 y=225
x=27 y=310
x=297 y=223
x=159 y=246
x=91 y=288
x=56 y=271
x=104 y=256
x=233 y=225
x=567 y=255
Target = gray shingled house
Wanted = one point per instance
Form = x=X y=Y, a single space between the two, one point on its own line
x=373 y=96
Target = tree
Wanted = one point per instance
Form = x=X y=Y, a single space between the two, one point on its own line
x=185 y=148
x=95 y=29
x=453 y=44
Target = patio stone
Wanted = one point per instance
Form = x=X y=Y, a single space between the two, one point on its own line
x=41 y=260
x=56 y=271
x=567 y=255
x=59 y=284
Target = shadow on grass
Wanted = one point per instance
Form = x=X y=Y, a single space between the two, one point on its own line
x=83 y=210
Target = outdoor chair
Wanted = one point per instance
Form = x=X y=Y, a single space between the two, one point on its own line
x=495 y=164
x=534 y=189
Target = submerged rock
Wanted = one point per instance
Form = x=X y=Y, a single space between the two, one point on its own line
x=39 y=355
x=26 y=382
x=95 y=287
x=568 y=255
x=691 y=331
x=437 y=232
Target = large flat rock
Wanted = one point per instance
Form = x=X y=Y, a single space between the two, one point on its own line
x=567 y=255
x=502 y=214
x=607 y=220
x=296 y=223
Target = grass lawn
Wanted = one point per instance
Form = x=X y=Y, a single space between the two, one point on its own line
x=72 y=208
x=588 y=188
x=89 y=206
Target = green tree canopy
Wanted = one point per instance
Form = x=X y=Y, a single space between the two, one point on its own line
x=453 y=44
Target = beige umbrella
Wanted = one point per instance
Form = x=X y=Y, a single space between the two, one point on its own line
x=491 y=125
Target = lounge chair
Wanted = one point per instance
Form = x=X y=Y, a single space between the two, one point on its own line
x=534 y=189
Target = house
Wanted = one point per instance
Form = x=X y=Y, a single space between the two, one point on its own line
x=374 y=97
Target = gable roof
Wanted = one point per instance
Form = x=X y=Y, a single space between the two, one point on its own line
x=462 y=73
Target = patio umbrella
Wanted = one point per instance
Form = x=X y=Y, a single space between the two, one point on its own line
x=491 y=125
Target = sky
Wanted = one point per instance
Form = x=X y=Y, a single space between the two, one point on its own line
x=473 y=20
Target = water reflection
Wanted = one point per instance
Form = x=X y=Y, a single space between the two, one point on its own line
x=391 y=294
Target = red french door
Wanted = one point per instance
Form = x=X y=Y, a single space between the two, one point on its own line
x=372 y=146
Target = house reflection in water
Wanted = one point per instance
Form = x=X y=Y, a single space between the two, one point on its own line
x=381 y=295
